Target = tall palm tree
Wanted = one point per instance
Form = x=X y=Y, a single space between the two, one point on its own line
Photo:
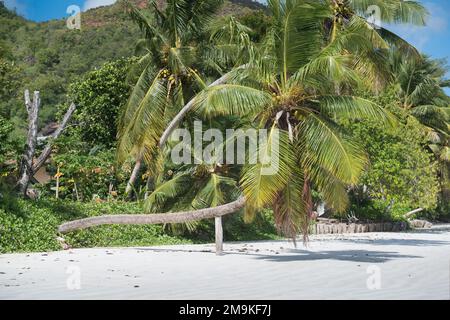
x=167 y=72
x=291 y=89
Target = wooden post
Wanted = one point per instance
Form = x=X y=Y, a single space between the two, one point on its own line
x=58 y=174
x=219 y=236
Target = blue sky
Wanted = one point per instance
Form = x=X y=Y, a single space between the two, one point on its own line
x=434 y=39
x=43 y=10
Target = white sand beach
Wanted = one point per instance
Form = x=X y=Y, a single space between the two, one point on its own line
x=411 y=265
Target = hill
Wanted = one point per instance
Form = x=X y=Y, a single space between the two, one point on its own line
x=48 y=56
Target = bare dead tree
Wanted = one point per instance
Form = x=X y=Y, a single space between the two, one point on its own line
x=48 y=148
x=26 y=166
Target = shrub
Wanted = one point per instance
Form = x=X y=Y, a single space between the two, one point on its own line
x=402 y=173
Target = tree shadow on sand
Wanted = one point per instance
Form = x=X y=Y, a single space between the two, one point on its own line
x=290 y=255
x=340 y=255
x=399 y=242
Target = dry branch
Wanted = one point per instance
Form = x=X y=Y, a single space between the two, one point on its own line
x=48 y=149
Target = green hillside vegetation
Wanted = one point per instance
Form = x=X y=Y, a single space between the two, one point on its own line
x=48 y=57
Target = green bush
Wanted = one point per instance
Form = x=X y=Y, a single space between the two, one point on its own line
x=85 y=175
x=401 y=175
x=99 y=97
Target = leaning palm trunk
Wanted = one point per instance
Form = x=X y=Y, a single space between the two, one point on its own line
x=134 y=175
x=188 y=107
x=162 y=218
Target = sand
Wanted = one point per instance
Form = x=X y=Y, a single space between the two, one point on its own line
x=412 y=265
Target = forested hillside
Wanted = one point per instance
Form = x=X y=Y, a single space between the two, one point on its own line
x=48 y=56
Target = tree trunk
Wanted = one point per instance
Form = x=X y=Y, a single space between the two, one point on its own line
x=411 y=213
x=219 y=236
x=48 y=149
x=26 y=166
x=162 y=218
x=180 y=116
x=134 y=175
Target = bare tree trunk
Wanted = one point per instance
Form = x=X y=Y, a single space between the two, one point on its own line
x=219 y=236
x=180 y=116
x=411 y=213
x=162 y=218
x=134 y=175
x=48 y=149
x=26 y=166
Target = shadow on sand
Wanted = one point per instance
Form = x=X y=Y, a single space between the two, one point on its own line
x=340 y=255
x=289 y=255
x=399 y=242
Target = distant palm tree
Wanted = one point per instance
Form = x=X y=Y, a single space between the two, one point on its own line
x=364 y=14
x=420 y=83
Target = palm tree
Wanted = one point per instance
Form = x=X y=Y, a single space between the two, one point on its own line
x=291 y=89
x=419 y=83
x=195 y=186
x=167 y=73
x=368 y=15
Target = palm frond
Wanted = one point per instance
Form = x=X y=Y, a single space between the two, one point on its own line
x=325 y=145
x=230 y=99
x=142 y=121
x=259 y=187
x=353 y=107
x=211 y=195
x=165 y=191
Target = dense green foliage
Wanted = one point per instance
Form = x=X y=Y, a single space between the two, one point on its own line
x=363 y=118
x=99 y=98
x=84 y=174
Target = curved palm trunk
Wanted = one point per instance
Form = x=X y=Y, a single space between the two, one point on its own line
x=180 y=116
x=134 y=175
x=162 y=218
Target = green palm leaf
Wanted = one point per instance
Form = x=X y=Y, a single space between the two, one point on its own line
x=230 y=99
x=353 y=107
x=325 y=145
x=259 y=188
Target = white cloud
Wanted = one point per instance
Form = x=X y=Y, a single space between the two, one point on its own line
x=89 y=4
x=14 y=4
x=421 y=36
